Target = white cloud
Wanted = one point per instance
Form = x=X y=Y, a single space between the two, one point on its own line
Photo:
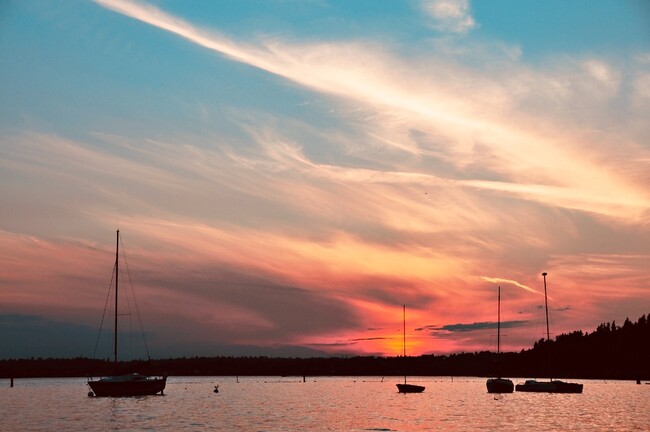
x=450 y=15
x=604 y=74
x=432 y=97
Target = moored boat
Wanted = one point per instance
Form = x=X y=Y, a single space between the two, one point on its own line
x=407 y=388
x=130 y=384
x=499 y=385
x=551 y=386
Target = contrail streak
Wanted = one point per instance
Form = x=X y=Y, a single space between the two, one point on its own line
x=156 y=17
x=511 y=282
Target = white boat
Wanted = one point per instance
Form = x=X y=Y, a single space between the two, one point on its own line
x=130 y=384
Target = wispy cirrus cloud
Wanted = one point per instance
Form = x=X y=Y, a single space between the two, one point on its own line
x=524 y=149
x=450 y=15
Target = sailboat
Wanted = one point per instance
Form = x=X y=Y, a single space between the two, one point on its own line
x=551 y=386
x=499 y=385
x=407 y=388
x=130 y=384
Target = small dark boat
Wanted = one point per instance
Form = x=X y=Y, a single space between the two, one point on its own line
x=552 y=386
x=130 y=384
x=499 y=385
x=407 y=388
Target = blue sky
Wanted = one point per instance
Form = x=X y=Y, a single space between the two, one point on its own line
x=100 y=63
x=289 y=173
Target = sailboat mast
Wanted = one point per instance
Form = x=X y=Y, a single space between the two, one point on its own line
x=404 y=335
x=404 y=329
x=499 y=322
x=117 y=272
x=548 y=334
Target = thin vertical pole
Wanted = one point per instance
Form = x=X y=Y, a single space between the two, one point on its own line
x=117 y=272
x=404 y=334
x=499 y=323
x=404 y=329
x=548 y=333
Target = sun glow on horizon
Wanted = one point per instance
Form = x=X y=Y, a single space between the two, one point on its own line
x=280 y=181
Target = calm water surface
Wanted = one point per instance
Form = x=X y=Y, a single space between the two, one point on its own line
x=337 y=404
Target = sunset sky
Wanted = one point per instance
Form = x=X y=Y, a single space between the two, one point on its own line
x=289 y=173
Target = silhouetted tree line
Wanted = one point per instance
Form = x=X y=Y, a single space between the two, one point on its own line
x=610 y=352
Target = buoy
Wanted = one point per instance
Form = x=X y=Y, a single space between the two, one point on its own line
x=216 y=389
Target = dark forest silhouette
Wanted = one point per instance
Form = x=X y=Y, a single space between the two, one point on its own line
x=609 y=352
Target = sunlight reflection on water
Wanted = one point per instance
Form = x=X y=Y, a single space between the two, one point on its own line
x=338 y=403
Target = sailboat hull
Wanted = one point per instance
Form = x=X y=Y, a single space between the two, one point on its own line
x=409 y=388
x=127 y=385
x=549 y=387
x=500 y=385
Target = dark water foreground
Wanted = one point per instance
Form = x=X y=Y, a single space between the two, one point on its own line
x=337 y=403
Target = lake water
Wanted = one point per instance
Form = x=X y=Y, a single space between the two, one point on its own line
x=330 y=403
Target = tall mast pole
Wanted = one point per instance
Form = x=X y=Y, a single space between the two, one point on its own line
x=404 y=335
x=499 y=323
x=548 y=334
x=117 y=272
x=404 y=329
